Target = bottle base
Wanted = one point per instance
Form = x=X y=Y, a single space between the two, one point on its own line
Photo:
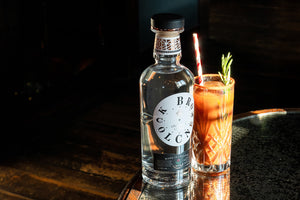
x=163 y=179
x=210 y=168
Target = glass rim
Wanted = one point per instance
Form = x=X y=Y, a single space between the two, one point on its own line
x=231 y=84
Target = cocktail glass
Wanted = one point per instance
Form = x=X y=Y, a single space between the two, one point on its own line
x=212 y=130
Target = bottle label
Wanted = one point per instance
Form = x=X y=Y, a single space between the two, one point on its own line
x=173 y=119
x=167 y=46
x=171 y=162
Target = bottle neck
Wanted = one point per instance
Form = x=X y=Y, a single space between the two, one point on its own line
x=167 y=47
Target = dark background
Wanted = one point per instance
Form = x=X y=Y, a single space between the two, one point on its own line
x=64 y=57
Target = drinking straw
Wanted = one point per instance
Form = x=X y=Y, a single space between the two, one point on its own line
x=198 y=58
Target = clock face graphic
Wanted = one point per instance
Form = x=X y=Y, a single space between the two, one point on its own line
x=173 y=119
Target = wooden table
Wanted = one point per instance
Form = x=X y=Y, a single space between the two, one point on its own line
x=86 y=150
x=265 y=163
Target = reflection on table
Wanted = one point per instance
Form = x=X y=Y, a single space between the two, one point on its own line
x=155 y=193
x=210 y=186
x=202 y=186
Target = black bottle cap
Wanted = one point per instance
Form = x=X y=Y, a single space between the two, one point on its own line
x=167 y=21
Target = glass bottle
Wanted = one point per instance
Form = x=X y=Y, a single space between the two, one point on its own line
x=166 y=107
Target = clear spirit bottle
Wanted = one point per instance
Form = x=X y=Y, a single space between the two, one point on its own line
x=167 y=107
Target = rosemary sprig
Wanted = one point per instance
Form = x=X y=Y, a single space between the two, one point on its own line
x=226 y=65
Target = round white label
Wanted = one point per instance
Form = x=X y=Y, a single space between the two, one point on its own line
x=173 y=118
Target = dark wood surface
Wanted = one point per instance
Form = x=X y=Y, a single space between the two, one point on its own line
x=86 y=153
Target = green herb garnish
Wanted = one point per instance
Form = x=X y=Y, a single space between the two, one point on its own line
x=226 y=65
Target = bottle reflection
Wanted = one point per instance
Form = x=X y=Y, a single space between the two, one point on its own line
x=203 y=186
x=154 y=193
x=210 y=186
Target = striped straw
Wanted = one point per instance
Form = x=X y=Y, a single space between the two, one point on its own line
x=198 y=58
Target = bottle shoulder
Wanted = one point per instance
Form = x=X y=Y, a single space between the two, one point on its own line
x=166 y=70
x=159 y=81
x=188 y=71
